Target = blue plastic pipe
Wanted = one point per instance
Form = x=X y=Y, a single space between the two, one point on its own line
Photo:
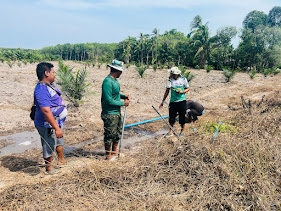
x=145 y=121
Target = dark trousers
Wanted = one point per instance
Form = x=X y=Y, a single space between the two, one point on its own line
x=177 y=108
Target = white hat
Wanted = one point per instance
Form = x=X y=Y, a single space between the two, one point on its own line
x=117 y=65
x=175 y=70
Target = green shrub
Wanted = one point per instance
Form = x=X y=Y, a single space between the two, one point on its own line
x=252 y=73
x=73 y=84
x=228 y=74
x=9 y=63
x=188 y=76
x=276 y=71
x=269 y=71
x=197 y=67
x=208 y=68
x=154 y=67
x=210 y=127
x=170 y=64
x=141 y=70
x=182 y=68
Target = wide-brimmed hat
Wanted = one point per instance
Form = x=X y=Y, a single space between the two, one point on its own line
x=117 y=65
x=175 y=71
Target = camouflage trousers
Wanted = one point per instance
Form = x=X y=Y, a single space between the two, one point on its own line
x=112 y=127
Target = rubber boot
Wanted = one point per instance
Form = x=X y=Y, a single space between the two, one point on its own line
x=108 y=155
x=115 y=149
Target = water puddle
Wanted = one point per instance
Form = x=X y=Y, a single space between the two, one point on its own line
x=142 y=135
x=20 y=142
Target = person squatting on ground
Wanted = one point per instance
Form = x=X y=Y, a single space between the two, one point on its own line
x=177 y=106
x=193 y=110
x=111 y=109
x=50 y=115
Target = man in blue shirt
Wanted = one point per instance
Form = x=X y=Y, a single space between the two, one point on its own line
x=50 y=115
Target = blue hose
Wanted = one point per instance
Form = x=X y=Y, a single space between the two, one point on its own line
x=145 y=121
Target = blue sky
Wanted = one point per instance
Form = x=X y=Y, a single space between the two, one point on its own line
x=39 y=23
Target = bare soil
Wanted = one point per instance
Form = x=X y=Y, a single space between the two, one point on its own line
x=222 y=101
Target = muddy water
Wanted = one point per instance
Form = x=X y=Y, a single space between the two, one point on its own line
x=20 y=142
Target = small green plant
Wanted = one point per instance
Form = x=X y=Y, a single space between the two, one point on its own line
x=9 y=63
x=188 y=76
x=182 y=68
x=141 y=70
x=208 y=68
x=266 y=72
x=197 y=67
x=73 y=84
x=210 y=127
x=154 y=67
x=170 y=64
x=127 y=65
x=269 y=71
x=276 y=71
x=252 y=74
x=228 y=74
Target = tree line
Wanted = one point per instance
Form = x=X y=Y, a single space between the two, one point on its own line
x=259 y=48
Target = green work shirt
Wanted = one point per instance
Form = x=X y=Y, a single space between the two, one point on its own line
x=111 y=97
x=177 y=85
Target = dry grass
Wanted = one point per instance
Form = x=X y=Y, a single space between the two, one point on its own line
x=239 y=171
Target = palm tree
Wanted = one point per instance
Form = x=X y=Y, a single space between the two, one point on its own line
x=127 y=49
x=141 y=45
x=200 y=35
x=154 y=46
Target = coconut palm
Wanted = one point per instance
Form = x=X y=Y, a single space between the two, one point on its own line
x=201 y=42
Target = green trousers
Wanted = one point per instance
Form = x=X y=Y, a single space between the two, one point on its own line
x=112 y=127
